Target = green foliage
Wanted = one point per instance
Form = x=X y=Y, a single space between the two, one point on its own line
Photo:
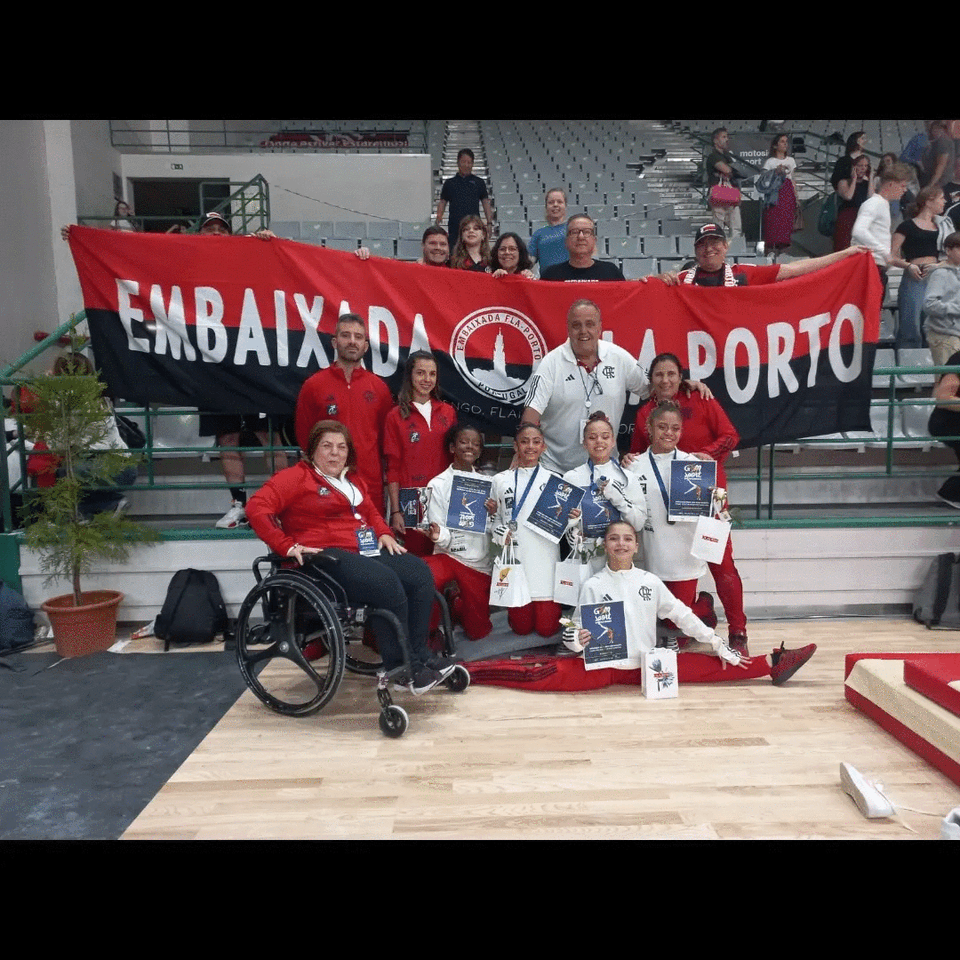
x=71 y=417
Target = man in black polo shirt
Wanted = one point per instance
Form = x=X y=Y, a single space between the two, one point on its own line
x=464 y=192
x=582 y=245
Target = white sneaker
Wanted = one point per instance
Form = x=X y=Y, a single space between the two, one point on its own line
x=865 y=795
x=236 y=516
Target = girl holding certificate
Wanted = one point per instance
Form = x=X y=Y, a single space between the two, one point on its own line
x=667 y=544
x=645 y=598
x=707 y=432
x=612 y=494
x=461 y=562
x=414 y=442
x=515 y=493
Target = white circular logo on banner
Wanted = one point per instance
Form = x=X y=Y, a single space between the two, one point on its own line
x=498 y=349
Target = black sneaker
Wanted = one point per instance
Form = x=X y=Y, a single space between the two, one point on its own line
x=443 y=665
x=424 y=679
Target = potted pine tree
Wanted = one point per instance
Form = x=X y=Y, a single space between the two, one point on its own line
x=68 y=413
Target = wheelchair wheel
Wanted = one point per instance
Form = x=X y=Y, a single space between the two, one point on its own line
x=290 y=644
x=459 y=680
x=394 y=721
x=361 y=658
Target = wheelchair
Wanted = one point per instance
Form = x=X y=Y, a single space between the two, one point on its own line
x=296 y=633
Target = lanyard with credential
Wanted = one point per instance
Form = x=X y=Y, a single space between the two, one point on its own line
x=594 y=384
x=614 y=462
x=663 y=489
x=518 y=504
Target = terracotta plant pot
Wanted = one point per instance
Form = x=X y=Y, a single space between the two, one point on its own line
x=86 y=629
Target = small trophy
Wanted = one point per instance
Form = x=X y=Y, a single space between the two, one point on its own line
x=414 y=502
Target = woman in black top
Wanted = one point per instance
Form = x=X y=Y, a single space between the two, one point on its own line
x=914 y=247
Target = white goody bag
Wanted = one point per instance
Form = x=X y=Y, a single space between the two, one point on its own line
x=710 y=539
x=508 y=584
x=659 y=677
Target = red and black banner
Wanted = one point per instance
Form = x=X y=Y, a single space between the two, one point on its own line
x=236 y=324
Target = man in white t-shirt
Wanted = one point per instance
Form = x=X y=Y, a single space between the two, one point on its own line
x=872 y=226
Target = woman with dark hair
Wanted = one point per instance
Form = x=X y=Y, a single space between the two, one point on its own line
x=915 y=247
x=709 y=435
x=460 y=562
x=853 y=187
x=121 y=218
x=778 y=218
x=320 y=505
x=515 y=493
x=472 y=250
x=611 y=494
x=413 y=441
x=510 y=256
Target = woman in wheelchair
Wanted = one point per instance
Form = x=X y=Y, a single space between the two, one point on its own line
x=321 y=506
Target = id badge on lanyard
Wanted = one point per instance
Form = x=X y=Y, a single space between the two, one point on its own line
x=367 y=542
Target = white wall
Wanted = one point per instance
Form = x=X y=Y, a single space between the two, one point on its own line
x=37 y=276
x=327 y=187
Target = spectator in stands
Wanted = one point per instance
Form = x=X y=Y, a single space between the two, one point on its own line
x=464 y=192
x=348 y=393
x=229 y=428
x=941 y=304
x=712 y=270
x=852 y=151
x=720 y=169
x=435 y=248
x=871 y=229
x=121 y=218
x=913 y=151
x=916 y=243
x=853 y=190
x=509 y=256
x=472 y=249
x=945 y=419
x=886 y=161
x=936 y=167
x=778 y=218
x=548 y=244
x=581 y=245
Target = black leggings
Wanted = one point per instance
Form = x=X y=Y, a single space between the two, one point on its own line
x=400 y=583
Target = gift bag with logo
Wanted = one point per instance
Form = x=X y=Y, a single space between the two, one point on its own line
x=658 y=680
x=710 y=539
x=508 y=585
x=570 y=576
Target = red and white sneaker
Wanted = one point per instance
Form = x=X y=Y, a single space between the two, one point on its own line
x=236 y=516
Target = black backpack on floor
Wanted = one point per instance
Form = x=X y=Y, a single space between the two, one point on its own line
x=938 y=599
x=193 y=610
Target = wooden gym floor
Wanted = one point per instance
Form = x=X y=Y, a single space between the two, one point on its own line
x=723 y=761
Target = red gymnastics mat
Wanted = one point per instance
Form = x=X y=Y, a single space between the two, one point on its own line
x=937 y=678
x=875 y=685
